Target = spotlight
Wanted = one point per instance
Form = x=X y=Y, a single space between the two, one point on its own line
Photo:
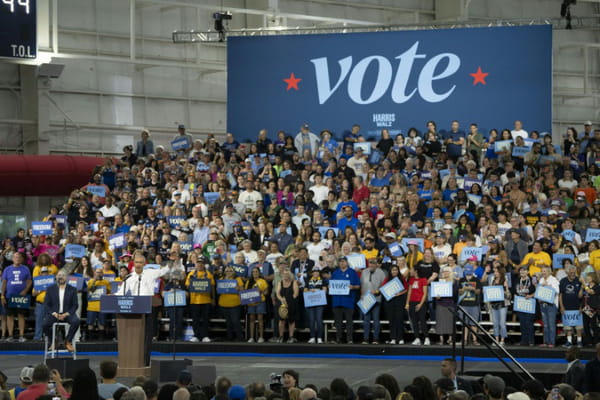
x=219 y=17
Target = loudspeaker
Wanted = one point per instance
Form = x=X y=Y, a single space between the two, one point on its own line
x=167 y=370
x=67 y=367
x=203 y=375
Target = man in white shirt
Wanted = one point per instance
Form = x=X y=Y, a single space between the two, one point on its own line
x=321 y=191
x=250 y=197
x=357 y=161
x=519 y=131
x=300 y=215
x=109 y=210
x=549 y=310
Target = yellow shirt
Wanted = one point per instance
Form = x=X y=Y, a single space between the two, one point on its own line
x=413 y=258
x=94 y=305
x=200 y=298
x=369 y=254
x=540 y=259
x=262 y=285
x=52 y=270
x=233 y=299
x=458 y=248
x=595 y=259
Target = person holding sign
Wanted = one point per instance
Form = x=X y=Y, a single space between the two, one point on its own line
x=97 y=286
x=549 y=308
x=201 y=286
x=591 y=307
x=394 y=308
x=229 y=302
x=175 y=284
x=43 y=273
x=469 y=298
x=499 y=307
x=524 y=287
x=343 y=304
x=16 y=282
x=287 y=292
x=371 y=280
x=315 y=313
x=444 y=319
x=417 y=296
x=61 y=305
x=569 y=299
x=257 y=310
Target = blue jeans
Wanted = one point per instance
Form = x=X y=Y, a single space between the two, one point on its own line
x=549 y=319
x=40 y=314
x=315 y=321
x=499 y=322
x=526 y=322
x=95 y=316
x=374 y=315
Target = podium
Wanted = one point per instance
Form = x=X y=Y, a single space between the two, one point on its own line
x=131 y=329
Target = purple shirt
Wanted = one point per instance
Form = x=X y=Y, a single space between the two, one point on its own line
x=16 y=279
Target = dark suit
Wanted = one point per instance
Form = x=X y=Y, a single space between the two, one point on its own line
x=592 y=372
x=463 y=384
x=575 y=375
x=52 y=305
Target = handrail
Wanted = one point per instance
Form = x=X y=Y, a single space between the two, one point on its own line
x=491 y=339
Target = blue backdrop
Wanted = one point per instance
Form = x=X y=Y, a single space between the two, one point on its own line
x=394 y=80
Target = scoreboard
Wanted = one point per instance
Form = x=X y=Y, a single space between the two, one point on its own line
x=18 y=29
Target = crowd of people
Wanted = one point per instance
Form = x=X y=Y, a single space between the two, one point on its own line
x=40 y=383
x=288 y=231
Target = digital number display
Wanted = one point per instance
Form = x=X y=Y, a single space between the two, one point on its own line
x=18 y=29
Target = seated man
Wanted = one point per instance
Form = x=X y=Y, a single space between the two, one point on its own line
x=61 y=306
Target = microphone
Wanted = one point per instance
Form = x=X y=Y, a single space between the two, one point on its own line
x=139 y=284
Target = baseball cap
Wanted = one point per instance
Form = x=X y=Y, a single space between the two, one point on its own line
x=587 y=123
x=177 y=194
x=494 y=383
x=248 y=160
x=125 y=255
x=468 y=270
x=581 y=193
x=555 y=203
x=342 y=258
x=518 y=396
x=552 y=212
x=390 y=235
x=26 y=375
x=181 y=126
x=472 y=258
x=304 y=126
x=236 y=392
x=447 y=226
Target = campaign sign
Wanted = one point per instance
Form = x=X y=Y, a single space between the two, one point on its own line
x=117 y=241
x=97 y=190
x=250 y=296
x=395 y=249
x=569 y=235
x=174 y=298
x=545 y=294
x=475 y=198
x=115 y=286
x=186 y=247
x=76 y=282
x=391 y=289
x=592 y=234
x=339 y=287
x=41 y=228
x=323 y=231
x=315 y=299
x=126 y=304
x=175 y=221
x=493 y=293
x=199 y=285
x=211 y=197
x=417 y=241
x=22 y=302
x=520 y=151
x=97 y=293
x=227 y=286
x=524 y=305
x=470 y=251
x=109 y=277
x=390 y=80
x=74 y=251
x=366 y=303
x=41 y=283
x=572 y=318
x=357 y=261
x=468 y=182
x=529 y=142
x=365 y=146
x=180 y=144
x=441 y=289
x=502 y=145
x=557 y=260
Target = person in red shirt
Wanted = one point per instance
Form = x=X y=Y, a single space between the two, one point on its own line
x=417 y=311
x=584 y=186
x=41 y=377
x=361 y=192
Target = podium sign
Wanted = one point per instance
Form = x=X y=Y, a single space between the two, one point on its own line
x=126 y=304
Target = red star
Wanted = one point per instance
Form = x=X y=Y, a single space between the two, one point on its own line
x=292 y=82
x=479 y=77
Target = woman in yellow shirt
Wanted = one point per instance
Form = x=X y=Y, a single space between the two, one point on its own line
x=201 y=286
x=97 y=286
x=257 y=310
x=46 y=268
x=230 y=304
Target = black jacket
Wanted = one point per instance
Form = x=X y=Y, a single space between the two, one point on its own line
x=52 y=301
x=575 y=376
x=592 y=372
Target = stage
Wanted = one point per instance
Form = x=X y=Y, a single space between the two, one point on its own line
x=318 y=364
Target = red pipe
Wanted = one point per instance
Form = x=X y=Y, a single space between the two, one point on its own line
x=29 y=175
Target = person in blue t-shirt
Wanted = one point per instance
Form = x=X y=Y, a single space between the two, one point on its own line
x=454 y=140
x=343 y=305
x=16 y=281
x=348 y=220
